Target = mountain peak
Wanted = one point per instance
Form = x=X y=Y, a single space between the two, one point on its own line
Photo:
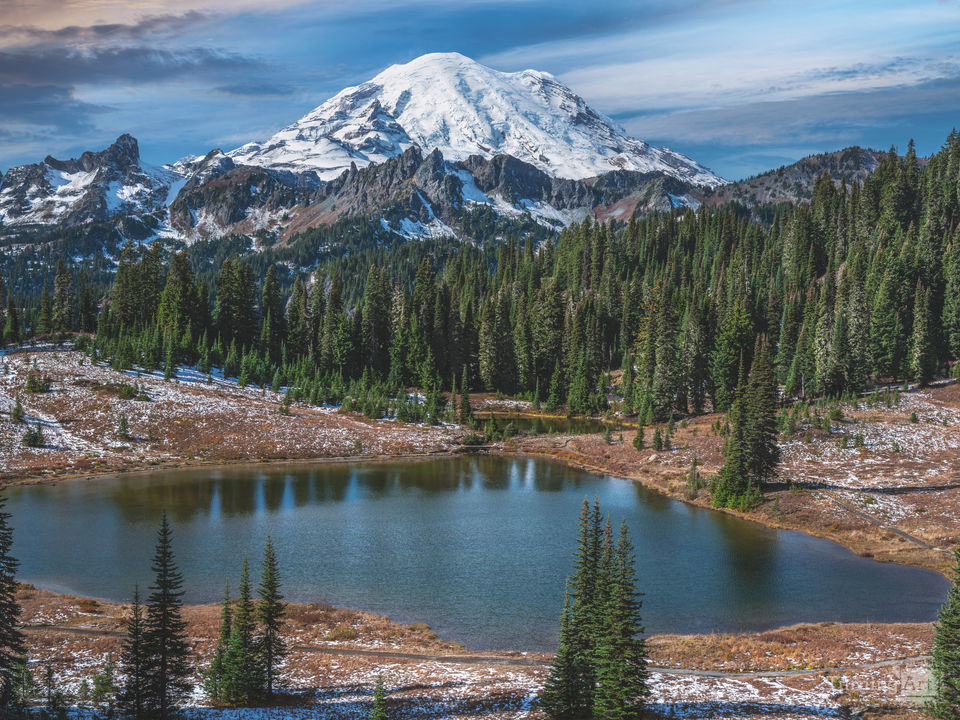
x=450 y=102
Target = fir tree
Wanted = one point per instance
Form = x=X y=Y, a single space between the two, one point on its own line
x=573 y=676
x=45 y=318
x=243 y=671
x=379 y=709
x=945 y=663
x=62 y=309
x=270 y=613
x=561 y=696
x=213 y=677
x=657 y=439
x=638 y=438
x=17 y=413
x=164 y=632
x=134 y=697
x=11 y=328
x=621 y=654
x=11 y=639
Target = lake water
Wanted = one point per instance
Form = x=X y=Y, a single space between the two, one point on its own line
x=477 y=547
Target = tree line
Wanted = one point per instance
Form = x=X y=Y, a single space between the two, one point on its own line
x=858 y=284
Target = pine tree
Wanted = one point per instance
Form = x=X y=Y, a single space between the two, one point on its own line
x=945 y=662
x=761 y=417
x=123 y=429
x=621 y=652
x=133 y=699
x=657 y=439
x=466 y=412
x=638 y=438
x=923 y=359
x=62 y=300
x=11 y=639
x=164 y=632
x=243 y=671
x=560 y=698
x=213 y=676
x=45 y=318
x=270 y=613
x=557 y=396
x=573 y=675
x=600 y=669
x=11 y=328
x=17 y=413
x=379 y=709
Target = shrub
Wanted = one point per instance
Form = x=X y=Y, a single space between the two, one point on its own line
x=34 y=437
x=914 y=418
x=38 y=384
x=123 y=430
x=125 y=391
x=342 y=632
x=472 y=439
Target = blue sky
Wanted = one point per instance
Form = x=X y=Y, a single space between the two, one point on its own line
x=741 y=86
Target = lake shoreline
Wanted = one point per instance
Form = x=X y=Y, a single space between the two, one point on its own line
x=932 y=559
x=337 y=652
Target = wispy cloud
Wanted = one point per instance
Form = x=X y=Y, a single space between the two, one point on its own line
x=150 y=26
x=729 y=82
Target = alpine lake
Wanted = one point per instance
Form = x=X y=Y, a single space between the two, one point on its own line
x=477 y=547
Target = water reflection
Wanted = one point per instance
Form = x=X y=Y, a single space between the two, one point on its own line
x=478 y=547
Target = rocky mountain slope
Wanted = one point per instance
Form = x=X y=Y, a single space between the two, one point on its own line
x=794 y=183
x=95 y=186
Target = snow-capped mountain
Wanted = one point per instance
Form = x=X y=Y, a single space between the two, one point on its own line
x=95 y=186
x=449 y=102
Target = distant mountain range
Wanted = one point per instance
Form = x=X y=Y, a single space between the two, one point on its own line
x=415 y=149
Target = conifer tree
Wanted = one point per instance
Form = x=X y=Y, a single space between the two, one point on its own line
x=164 y=632
x=379 y=709
x=270 y=613
x=11 y=328
x=213 y=677
x=243 y=669
x=11 y=639
x=133 y=699
x=572 y=678
x=923 y=360
x=62 y=310
x=561 y=689
x=621 y=652
x=45 y=318
x=761 y=416
x=945 y=662
x=657 y=439
x=466 y=412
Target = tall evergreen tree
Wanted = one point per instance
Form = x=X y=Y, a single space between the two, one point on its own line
x=11 y=639
x=164 y=632
x=133 y=699
x=270 y=613
x=621 y=654
x=62 y=312
x=945 y=662
x=244 y=672
x=379 y=709
x=214 y=676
